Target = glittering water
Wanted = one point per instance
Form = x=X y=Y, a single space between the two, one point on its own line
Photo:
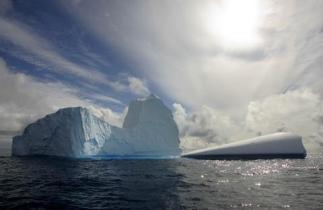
x=161 y=184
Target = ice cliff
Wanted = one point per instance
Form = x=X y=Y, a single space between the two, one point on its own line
x=277 y=145
x=148 y=130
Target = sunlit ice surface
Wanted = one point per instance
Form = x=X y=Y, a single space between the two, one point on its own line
x=235 y=24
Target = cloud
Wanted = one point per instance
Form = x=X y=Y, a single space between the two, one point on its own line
x=104 y=98
x=24 y=99
x=38 y=51
x=187 y=63
x=138 y=86
x=5 y=6
x=204 y=127
x=298 y=111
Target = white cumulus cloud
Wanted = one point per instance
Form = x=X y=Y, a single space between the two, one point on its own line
x=204 y=127
x=299 y=111
x=138 y=86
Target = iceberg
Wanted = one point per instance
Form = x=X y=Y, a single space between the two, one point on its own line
x=149 y=130
x=277 y=145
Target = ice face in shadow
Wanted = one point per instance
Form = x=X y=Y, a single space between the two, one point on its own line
x=277 y=145
x=148 y=130
x=151 y=119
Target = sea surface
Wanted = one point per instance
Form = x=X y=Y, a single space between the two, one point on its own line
x=43 y=183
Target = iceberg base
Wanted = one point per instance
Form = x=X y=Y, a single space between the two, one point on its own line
x=247 y=156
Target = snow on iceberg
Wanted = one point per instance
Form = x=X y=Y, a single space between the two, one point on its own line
x=149 y=130
x=277 y=145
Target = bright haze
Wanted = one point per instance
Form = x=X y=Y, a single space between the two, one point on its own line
x=228 y=69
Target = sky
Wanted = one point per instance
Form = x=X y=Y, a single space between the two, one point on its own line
x=228 y=69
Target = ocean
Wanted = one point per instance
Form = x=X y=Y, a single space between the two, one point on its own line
x=54 y=183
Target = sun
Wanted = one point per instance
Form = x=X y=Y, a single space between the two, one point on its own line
x=235 y=23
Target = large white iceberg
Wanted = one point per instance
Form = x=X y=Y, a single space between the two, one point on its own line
x=149 y=130
x=277 y=145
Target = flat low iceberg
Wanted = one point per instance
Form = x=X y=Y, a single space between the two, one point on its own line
x=149 y=130
x=277 y=145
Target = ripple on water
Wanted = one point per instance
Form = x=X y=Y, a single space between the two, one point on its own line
x=161 y=184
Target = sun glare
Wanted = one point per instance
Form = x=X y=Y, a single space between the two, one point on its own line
x=235 y=23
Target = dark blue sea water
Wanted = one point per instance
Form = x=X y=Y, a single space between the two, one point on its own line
x=43 y=183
